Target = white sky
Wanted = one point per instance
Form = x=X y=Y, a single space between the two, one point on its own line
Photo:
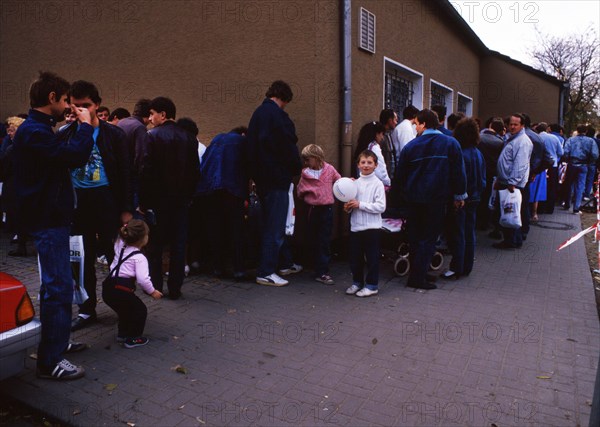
x=508 y=26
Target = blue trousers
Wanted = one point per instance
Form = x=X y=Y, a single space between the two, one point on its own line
x=425 y=224
x=365 y=244
x=589 y=180
x=576 y=175
x=274 y=205
x=56 y=293
x=461 y=238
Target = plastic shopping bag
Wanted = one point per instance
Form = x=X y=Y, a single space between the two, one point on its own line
x=493 y=197
x=510 y=209
x=77 y=256
x=290 y=221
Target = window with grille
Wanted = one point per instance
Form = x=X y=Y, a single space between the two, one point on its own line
x=438 y=95
x=399 y=91
x=366 y=28
x=465 y=104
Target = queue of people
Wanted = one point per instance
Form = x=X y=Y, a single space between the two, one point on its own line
x=130 y=192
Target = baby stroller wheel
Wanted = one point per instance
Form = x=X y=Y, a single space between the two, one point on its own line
x=436 y=261
x=403 y=249
x=402 y=266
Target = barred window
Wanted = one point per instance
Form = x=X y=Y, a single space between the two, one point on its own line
x=438 y=95
x=399 y=91
x=465 y=104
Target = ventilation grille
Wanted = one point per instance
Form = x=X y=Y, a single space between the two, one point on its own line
x=367 y=30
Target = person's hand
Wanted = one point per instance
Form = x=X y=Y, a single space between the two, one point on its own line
x=156 y=294
x=352 y=204
x=82 y=114
x=531 y=178
x=458 y=204
x=511 y=188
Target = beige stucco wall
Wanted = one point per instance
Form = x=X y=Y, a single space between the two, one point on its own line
x=215 y=59
x=507 y=88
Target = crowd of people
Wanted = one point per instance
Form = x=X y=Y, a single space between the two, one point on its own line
x=130 y=192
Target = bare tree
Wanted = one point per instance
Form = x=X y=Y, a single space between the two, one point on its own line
x=574 y=59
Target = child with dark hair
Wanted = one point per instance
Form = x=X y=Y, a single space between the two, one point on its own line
x=365 y=227
x=369 y=138
x=118 y=289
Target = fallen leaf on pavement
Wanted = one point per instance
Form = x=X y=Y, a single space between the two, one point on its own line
x=76 y=411
x=179 y=369
x=374 y=341
x=110 y=387
x=543 y=377
x=33 y=356
x=201 y=421
x=231 y=311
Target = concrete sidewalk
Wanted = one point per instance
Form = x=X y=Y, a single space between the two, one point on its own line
x=515 y=343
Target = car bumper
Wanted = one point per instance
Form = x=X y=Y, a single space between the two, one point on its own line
x=14 y=345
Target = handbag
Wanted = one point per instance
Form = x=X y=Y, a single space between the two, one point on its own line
x=510 y=209
x=126 y=284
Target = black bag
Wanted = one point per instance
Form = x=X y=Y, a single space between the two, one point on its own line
x=126 y=284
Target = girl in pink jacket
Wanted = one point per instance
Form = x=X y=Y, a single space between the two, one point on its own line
x=316 y=189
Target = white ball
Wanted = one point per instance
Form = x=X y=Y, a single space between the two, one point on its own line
x=345 y=189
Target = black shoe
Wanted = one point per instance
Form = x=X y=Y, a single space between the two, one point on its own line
x=495 y=234
x=62 y=371
x=174 y=295
x=18 y=252
x=80 y=323
x=74 y=347
x=425 y=285
x=503 y=245
x=450 y=275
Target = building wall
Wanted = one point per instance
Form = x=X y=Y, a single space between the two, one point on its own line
x=215 y=59
x=507 y=88
x=415 y=35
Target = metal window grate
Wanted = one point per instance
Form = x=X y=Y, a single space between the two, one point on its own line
x=438 y=95
x=398 y=91
x=463 y=103
x=367 y=30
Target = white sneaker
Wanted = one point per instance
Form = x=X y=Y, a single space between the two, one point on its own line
x=293 y=269
x=102 y=260
x=271 y=280
x=366 y=292
x=352 y=290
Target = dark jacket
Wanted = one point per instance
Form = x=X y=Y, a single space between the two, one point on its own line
x=171 y=169
x=490 y=145
x=224 y=166
x=137 y=140
x=112 y=145
x=273 y=157
x=431 y=170
x=42 y=180
x=475 y=172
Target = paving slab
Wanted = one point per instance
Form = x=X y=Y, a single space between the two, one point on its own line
x=515 y=343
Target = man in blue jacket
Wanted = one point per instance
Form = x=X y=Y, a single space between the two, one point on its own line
x=45 y=206
x=273 y=160
x=430 y=173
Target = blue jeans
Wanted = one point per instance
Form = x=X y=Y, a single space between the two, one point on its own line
x=274 y=205
x=425 y=224
x=462 y=239
x=589 y=180
x=56 y=293
x=365 y=244
x=320 y=226
x=576 y=175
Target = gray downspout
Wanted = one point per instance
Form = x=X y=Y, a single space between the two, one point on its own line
x=346 y=144
x=564 y=90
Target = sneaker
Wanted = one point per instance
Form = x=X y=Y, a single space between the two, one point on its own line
x=271 y=280
x=366 y=292
x=80 y=322
x=135 y=342
x=352 y=290
x=576 y=212
x=586 y=199
x=62 y=371
x=74 y=347
x=325 y=279
x=293 y=269
x=102 y=260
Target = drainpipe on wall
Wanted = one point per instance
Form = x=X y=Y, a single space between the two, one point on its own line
x=346 y=144
x=564 y=91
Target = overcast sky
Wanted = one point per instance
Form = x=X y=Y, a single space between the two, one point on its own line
x=508 y=26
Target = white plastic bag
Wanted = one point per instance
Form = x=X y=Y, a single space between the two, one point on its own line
x=290 y=221
x=76 y=255
x=510 y=209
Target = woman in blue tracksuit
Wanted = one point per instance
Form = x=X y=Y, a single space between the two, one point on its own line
x=462 y=231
